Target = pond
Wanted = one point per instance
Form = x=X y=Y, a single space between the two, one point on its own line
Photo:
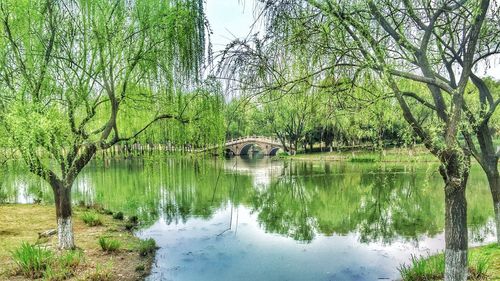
x=261 y=219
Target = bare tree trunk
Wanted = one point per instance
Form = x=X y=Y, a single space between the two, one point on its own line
x=455 y=172
x=494 y=183
x=62 y=196
x=455 y=233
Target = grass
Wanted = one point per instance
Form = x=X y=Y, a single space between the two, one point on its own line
x=147 y=247
x=484 y=263
x=20 y=224
x=101 y=273
x=91 y=219
x=109 y=245
x=397 y=155
x=34 y=261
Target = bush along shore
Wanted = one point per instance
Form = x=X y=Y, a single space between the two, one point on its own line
x=106 y=247
x=484 y=264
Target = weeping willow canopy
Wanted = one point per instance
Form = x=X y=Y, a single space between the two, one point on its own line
x=82 y=75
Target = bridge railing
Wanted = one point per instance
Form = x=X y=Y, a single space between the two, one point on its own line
x=275 y=140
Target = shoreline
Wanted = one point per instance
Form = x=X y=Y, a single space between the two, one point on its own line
x=23 y=223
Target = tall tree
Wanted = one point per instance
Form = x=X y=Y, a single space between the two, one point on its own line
x=423 y=51
x=73 y=72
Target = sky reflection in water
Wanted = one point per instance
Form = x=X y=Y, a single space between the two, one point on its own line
x=257 y=219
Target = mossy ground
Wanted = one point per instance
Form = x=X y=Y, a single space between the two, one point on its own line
x=19 y=222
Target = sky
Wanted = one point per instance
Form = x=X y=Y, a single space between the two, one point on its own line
x=231 y=19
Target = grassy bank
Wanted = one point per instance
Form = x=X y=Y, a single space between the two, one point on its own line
x=106 y=250
x=416 y=154
x=484 y=264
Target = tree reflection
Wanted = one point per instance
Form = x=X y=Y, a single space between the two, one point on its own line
x=378 y=203
x=299 y=199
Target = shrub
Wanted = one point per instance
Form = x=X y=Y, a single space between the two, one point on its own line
x=133 y=219
x=109 y=245
x=31 y=260
x=362 y=159
x=129 y=226
x=282 y=154
x=91 y=219
x=147 y=247
x=118 y=216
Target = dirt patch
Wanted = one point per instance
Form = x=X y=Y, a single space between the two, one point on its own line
x=22 y=223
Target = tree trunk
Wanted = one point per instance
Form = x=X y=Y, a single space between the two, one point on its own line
x=494 y=183
x=455 y=172
x=455 y=233
x=62 y=196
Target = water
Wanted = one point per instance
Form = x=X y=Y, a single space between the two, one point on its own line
x=257 y=219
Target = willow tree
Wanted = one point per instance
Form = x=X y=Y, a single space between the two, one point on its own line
x=73 y=74
x=435 y=45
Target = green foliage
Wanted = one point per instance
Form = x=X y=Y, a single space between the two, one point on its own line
x=3 y=194
x=109 y=245
x=71 y=259
x=133 y=219
x=51 y=274
x=433 y=267
x=282 y=154
x=91 y=219
x=118 y=216
x=32 y=260
x=362 y=159
x=147 y=247
x=423 y=268
x=64 y=266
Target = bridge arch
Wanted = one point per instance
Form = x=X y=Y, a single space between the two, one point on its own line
x=239 y=146
x=246 y=147
x=274 y=150
x=229 y=152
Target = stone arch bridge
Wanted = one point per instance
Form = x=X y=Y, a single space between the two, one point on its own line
x=241 y=146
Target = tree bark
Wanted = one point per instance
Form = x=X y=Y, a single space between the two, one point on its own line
x=494 y=183
x=455 y=172
x=62 y=196
x=455 y=233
